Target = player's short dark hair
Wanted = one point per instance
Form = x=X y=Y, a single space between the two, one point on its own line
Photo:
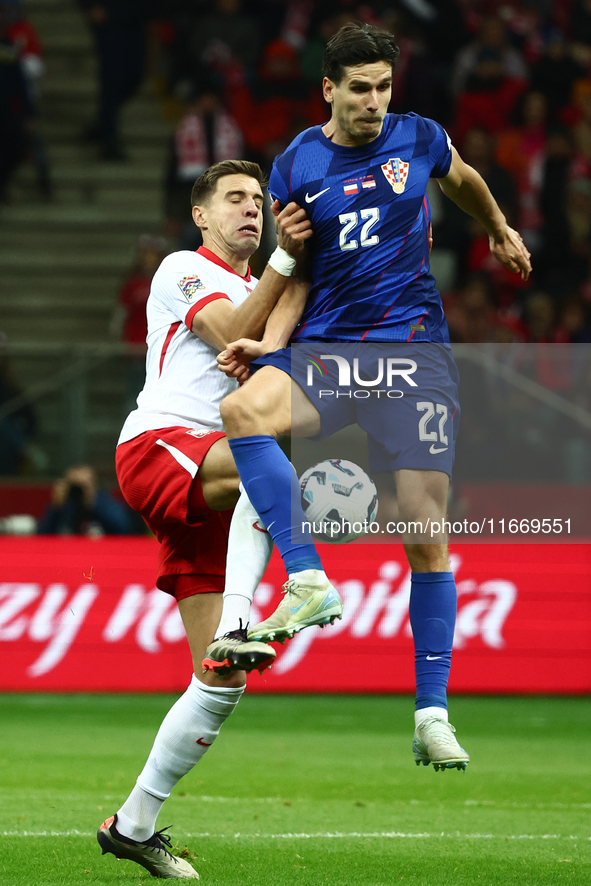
x=358 y=44
x=206 y=184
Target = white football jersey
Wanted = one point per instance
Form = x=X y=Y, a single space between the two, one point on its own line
x=183 y=383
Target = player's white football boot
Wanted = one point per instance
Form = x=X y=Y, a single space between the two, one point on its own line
x=235 y=652
x=154 y=855
x=434 y=742
x=302 y=606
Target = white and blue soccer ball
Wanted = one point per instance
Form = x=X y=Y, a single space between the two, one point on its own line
x=339 y=500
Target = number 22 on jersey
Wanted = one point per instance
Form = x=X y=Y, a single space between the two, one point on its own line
x=350 y=222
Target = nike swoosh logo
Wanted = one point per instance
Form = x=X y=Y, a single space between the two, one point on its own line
x=434 y=451
x=433 y=657
x=311 y=199
x=260 y=528
x=297 y=609
x=204 y=743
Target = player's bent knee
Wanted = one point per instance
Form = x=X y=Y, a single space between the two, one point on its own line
x=222 y=493
x=241 y=415
x=424 y=557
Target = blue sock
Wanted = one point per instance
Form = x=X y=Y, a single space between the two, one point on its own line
x=433 y=605
x=274 y=490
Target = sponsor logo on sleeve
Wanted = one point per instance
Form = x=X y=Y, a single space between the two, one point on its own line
x=191 y=286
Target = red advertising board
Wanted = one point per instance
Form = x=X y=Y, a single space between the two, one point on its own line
x=83 y=615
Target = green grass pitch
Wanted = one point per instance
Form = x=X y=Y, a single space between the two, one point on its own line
x=305 y=790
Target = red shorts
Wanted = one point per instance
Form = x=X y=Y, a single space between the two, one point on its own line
x=158 y=476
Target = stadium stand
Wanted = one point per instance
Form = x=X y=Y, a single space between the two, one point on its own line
x=63 y=262
x=64 y=250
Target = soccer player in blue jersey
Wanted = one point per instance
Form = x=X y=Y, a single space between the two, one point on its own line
x=362 y=179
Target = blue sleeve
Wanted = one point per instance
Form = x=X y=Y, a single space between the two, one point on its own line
x=278 y=187
x=439 y=150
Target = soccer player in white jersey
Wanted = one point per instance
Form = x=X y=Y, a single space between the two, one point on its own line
x=175 y=467
x=362 y=178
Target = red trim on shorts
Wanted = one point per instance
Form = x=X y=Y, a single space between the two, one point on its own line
x=193 y=538
x=190 y=585
x=214 y=296
x=171 y=332
x=211 y=256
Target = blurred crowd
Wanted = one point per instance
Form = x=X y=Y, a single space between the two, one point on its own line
x=511 y=81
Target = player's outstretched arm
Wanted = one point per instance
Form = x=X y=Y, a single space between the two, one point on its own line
x=220 y=322
x=236 y=358
x=469 y=191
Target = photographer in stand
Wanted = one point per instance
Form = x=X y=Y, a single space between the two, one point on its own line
x=79 y=506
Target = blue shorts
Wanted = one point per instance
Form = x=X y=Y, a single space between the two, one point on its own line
x=403 y=395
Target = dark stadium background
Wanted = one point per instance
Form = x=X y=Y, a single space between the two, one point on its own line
x=90 y=205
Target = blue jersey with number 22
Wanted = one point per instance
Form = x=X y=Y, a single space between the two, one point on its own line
x=370 y=215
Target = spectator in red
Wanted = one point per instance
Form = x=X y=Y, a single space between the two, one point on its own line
x=129 y=320
x=489 y=98
x=24 y=37
x=521 y=151
x=129 y=317
x=205 y=135
x=277 y=107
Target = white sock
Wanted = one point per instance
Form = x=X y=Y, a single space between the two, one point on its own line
x=309 y=576
x=249 y=550
x=431 y=711
x=188 y=730
x=137 y=817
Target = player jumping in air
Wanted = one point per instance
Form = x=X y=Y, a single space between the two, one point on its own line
x=362 y=179
x=175 y=467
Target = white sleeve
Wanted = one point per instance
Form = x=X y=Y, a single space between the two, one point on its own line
x=184 y=285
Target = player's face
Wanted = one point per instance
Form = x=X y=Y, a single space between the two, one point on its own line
x=233 y=218
x=359 y=103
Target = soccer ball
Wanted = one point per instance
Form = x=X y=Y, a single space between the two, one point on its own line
x=339 y=500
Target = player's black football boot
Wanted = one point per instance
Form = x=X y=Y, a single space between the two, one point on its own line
x=154 y=855
x=235 y=652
